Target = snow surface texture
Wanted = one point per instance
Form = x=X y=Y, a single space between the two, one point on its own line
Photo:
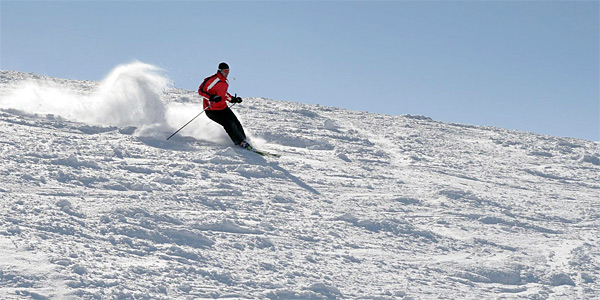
x=96 y=204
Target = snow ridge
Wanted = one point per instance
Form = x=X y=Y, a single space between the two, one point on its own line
x=98 y=205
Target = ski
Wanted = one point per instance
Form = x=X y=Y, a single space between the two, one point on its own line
x=261 y=152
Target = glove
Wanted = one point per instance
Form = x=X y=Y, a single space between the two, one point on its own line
x=215 y=98
x=236 y=99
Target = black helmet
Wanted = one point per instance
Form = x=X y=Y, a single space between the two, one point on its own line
x=223 y=66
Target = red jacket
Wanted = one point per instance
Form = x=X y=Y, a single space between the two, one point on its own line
x=215 y=85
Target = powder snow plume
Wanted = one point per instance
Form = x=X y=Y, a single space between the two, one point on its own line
x=129 y=96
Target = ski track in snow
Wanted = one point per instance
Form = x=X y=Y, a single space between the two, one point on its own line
x=359 y=206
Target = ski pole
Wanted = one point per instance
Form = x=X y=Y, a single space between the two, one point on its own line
x=186 y=124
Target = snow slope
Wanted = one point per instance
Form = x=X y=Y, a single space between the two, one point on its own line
x=96 y=204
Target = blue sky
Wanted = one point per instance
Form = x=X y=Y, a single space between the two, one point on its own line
x=526 y=65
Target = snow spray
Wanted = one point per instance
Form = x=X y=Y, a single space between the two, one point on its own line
x=129 y=96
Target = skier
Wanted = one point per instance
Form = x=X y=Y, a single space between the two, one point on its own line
x=213 y=91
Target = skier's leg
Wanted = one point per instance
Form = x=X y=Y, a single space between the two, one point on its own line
x=237 y=126
x=233 y=127
x=217 y=116
x=230 y=123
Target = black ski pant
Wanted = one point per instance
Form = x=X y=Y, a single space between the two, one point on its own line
x=230 y=122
